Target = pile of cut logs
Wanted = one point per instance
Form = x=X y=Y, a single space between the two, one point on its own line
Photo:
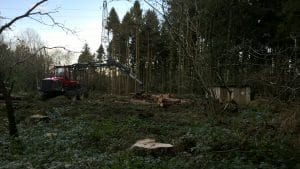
x=166 y=100
x=163 y=100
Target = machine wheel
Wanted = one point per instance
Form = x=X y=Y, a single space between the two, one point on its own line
x=47 y=96
x=76 y=94
x=44 y=96
x=71 y=94
x=83 y=93
x=80 y=95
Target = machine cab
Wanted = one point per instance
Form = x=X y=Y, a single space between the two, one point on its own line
x=64 y=72
x=60 y=72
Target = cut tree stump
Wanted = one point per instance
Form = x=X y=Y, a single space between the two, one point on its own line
x=38 y=117
x=51 y=135
x=150 y=144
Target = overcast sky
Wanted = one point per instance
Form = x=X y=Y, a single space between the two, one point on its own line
x=83 y=16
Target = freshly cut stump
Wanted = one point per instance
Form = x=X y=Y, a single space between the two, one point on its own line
x=150 y=144
x=38 y=117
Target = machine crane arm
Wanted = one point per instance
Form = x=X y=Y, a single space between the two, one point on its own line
x=109 y=63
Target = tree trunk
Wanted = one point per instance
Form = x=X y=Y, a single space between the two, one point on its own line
x=137 y=56
x=149 y=63
x=10 y=110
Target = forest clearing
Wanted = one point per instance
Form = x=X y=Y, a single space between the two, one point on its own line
x=98 y=133
x=159 y=84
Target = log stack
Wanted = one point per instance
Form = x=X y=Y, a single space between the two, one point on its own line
x=162 y=100
x=165 y=100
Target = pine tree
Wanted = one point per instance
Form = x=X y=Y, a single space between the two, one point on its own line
x=125 y=36
x=85 y=55
x=136 y=14
x=149 y=48
x=113 y=25
x=126 y=58
x=100 y=53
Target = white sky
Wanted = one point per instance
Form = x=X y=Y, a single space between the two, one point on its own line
x=83 y=16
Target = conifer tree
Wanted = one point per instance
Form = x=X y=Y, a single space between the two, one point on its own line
x=85 y=55
x=100 y=53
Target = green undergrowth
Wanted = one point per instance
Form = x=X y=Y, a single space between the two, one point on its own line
x=98 y=133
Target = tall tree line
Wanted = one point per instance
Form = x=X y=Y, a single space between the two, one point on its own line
x=236 y=42
x=194 y=44
x=191 y=45
x=134 y=43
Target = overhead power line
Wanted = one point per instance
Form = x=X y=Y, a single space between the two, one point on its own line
x=60 y=16
x=60 y=9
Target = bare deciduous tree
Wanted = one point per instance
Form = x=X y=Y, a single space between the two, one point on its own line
x=6 y=86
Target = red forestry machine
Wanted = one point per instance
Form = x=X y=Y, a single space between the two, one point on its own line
x=72 y=80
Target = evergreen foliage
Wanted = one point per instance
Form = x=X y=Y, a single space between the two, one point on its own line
x=85 y=55
x=100 y=53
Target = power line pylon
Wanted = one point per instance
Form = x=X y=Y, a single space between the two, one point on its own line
x=104 y=33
